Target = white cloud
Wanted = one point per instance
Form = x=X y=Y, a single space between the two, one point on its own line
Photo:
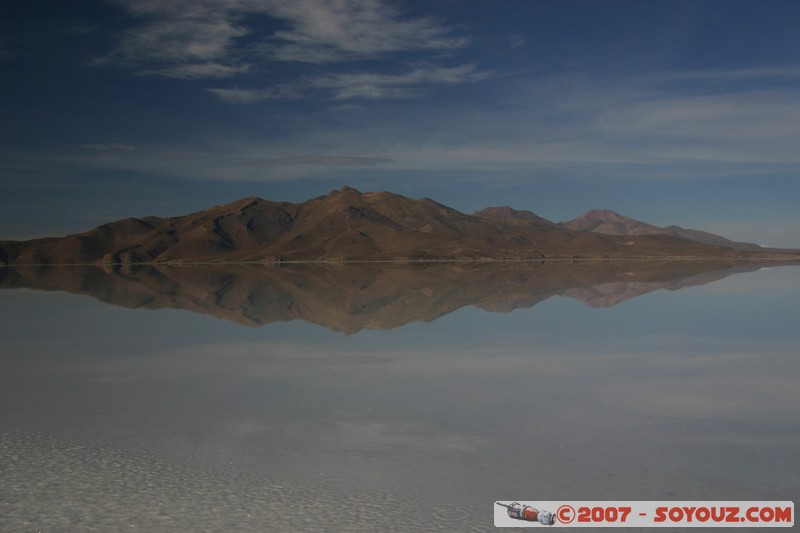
x=370 y=85
x=181 y=37
x=759 y=119
x=235 y=162
x=516 y=41
x=347 y=86
x=248 y=96
x=186 y=39
x=198 y=71
x=203 y=38
x=333 y=30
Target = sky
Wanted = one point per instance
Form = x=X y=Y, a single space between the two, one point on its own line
x=682 y=112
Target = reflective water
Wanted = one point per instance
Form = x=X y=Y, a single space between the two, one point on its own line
x=389 y=397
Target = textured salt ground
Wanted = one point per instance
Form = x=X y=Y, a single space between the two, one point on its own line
x=53 y=485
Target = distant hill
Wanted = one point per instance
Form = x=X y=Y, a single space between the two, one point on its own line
x=347 y=225
x=612 y=223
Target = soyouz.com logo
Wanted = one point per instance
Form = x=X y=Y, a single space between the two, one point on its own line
x=644 y=514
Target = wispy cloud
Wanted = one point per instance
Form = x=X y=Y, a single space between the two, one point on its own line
x=232 y=162
x=248 y=96
x=193 y=71
x=516 y=41
x=347 y=86
x=336 y=30
x=188 y=39
x=754 y=117
x=193 y=39
x=371 y=85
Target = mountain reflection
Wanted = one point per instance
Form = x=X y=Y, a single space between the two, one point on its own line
x=350 y=297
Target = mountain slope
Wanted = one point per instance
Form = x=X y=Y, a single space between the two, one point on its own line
x=612 y=223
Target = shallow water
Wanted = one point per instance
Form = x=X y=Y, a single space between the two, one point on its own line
x=386 y=400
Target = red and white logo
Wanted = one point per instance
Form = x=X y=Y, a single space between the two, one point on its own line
x=727 y=514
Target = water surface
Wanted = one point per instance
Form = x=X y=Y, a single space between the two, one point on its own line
x=389 y=397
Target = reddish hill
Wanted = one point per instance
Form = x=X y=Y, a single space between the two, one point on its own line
x=612 y=223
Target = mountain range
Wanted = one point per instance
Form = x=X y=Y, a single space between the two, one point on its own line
x=347 y=225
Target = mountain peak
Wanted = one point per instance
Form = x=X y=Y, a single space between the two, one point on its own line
x=346 y=190
x=603 y=214
x=611 y=223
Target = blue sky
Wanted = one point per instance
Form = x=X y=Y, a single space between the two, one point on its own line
x=679 y=112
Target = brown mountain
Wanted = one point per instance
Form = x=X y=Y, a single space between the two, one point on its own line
x=351 y=297
x=344 y=225
x=612 y=223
